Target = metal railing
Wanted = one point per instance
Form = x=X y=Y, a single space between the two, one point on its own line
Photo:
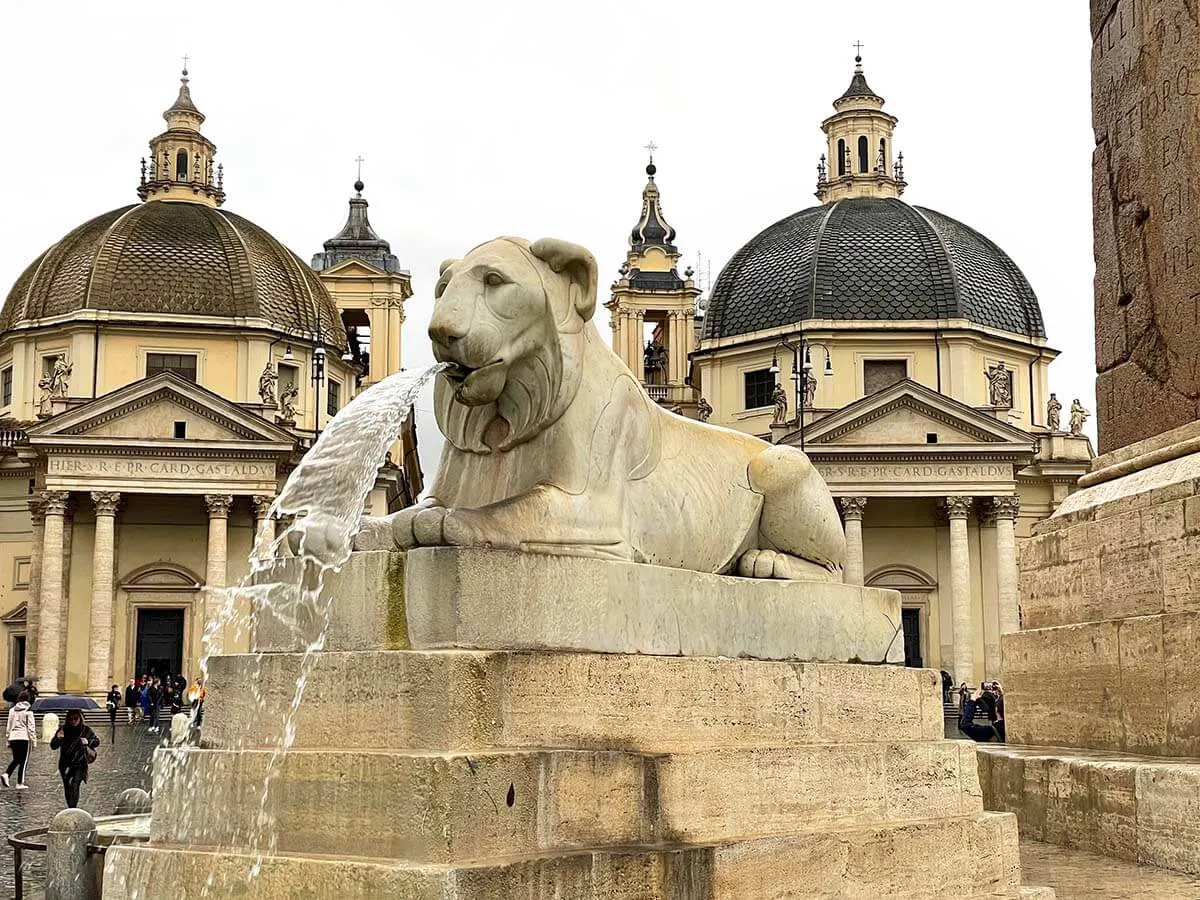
x=27 y=841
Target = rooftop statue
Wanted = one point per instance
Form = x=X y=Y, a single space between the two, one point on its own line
x=553 y=446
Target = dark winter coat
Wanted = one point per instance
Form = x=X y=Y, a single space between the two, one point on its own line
x=71 y=755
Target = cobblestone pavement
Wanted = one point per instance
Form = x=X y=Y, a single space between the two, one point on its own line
x=121 y=763
x=1078 y=875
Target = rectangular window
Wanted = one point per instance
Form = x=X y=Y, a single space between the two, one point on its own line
x=182 y=364
x=335 y=397
x=6 y=387
x=181 y=429
x=882 y=373
x=759 y=386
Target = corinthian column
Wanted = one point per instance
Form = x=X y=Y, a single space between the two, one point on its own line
x=852 y=512
x=33 y=606
x=103 y=561
x=1005 y=510
x=958 y=509
x=262 y=506
x=50 y=625
x=218 y=539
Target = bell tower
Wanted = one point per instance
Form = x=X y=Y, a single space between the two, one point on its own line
x=653 y=308
x=180 y=166
x=859 y=160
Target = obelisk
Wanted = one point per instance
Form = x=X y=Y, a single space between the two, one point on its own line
x=1109 y=655
x=1146 y=195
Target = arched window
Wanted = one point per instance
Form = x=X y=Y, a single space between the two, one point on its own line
x=883 y=155
x=181 y=172
x=864 y=164
x=841 y=157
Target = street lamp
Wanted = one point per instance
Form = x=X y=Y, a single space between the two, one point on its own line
x=800 y=373
x=318 y=378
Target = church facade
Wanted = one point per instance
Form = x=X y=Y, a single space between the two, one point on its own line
x=899 y=348
x=163 y=368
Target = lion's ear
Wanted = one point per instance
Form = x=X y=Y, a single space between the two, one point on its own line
x=446 y=263
x=578 y=264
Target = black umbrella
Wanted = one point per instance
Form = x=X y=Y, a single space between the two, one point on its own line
x=61 y=702
x=13 y=691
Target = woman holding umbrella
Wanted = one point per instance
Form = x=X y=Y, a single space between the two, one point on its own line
x=76 y=745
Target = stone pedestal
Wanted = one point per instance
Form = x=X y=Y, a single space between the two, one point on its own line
x=1101 y=687
x=556 y=727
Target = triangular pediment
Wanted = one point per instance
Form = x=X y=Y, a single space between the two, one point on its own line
x=352 y=268
x=907 y=414
x=147 y=410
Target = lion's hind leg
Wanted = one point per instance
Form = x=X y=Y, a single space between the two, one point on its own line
x=774 y=564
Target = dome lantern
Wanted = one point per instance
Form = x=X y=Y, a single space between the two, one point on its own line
x=859 y=162
x=181 y=158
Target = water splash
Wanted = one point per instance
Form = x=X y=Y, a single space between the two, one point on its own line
x=321 y=505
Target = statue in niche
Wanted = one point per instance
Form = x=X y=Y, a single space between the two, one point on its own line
x=779 y=398
x=1053 y=414
x=53 y=384
x=999 y=386
x=287 y=404
x=553 y=446
x=704 y=410
x=266 y=384
x=810 y=389
x=1078 y=416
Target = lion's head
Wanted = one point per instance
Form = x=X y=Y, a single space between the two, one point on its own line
x=509 y=317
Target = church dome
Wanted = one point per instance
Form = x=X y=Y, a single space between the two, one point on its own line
x=180 y=258
x=868 y=258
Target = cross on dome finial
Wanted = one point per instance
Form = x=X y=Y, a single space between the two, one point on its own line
x=358 y=182
x=858 y=45
x=650 y=147
x=185 y=62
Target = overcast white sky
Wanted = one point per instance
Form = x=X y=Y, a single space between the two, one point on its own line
x=528 y=118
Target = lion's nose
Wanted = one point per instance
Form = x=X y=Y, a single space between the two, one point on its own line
x=445 y=330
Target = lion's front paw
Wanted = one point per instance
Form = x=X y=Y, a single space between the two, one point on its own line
x=428 y=527
x=375 y=533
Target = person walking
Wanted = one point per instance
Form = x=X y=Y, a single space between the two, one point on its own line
x=155 y=696
x=131 y=701
x=76 y=744
x=113 y=703
x=21 y=734
x=144 y=699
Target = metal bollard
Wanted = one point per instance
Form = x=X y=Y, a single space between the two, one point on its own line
x=71 y=874
x=132 y=800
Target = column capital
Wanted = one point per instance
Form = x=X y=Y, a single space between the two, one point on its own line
x=106 y=502
x=37 y=510
x=54 y=503
x=1006 y=507
x=958 y=507
x=852 y=507
x=262 y=505
x=218 y=505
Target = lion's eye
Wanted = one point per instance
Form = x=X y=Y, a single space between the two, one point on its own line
x=494 y=278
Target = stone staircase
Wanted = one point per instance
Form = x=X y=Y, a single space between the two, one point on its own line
x=541 y=772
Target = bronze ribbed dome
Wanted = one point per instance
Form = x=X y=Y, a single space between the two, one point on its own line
x=176 y=258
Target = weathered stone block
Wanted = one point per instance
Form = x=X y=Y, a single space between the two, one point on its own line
x=502 y=600
x=472 y=700
x=1168 y=816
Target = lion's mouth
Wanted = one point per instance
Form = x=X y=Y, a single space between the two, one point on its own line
x=462 y=376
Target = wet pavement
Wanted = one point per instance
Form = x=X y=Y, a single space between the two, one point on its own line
x=121 y=764
x=1078 y=875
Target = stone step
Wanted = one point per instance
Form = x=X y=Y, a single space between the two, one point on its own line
x=470 y=700
x=971 y=857
x=451 y=807
x=1141 y=808
x=438 y=597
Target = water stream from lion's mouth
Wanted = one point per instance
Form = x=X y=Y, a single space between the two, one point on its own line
x=321 y=504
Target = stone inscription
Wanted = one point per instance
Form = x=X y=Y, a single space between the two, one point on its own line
x=159 y=468
x=1146 y=168
x=923 y=472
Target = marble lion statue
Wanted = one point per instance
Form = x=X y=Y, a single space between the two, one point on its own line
x=553 y=446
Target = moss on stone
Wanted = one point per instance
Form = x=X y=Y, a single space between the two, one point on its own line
x=396 y=634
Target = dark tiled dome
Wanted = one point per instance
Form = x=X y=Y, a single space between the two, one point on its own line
x=868 y=259
x=176 y=258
